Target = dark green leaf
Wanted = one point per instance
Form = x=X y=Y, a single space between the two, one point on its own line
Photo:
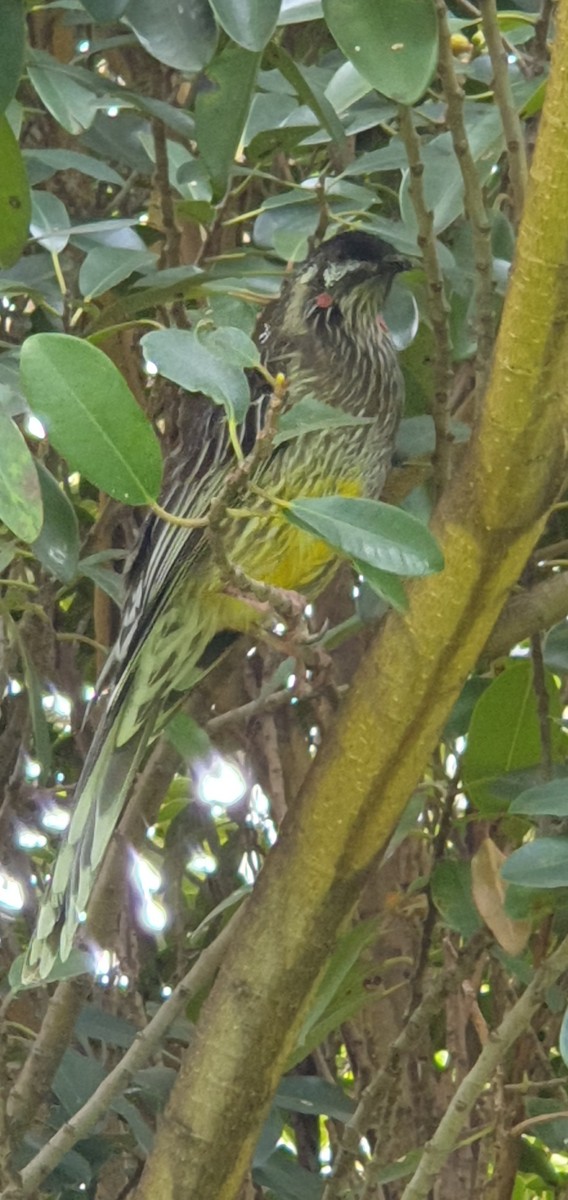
x=232 y=345
x=20 y=497
x=311 y=415
x=105 y=11
x=42 y=164
x=181 y=356
x=57 y=546
x=106 y=266
x=311 y=1095
x=12 y=41
x=394 y=46
x=95 y=1024
x=251 y=23
x=376 y=534
x=180 y=33
x=308 y=95
x=186 y=735
x=15 y=202
x=285 y=1178
x=451 y=892
x=504 y=734
x=545 y=800
x=91 y=416
x=539 y=864
x=386 y=585
x=108 y=581
x=66 y=92
x=50 y=224
x=221 y=111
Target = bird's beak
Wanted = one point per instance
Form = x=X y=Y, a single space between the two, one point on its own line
x=398 y=263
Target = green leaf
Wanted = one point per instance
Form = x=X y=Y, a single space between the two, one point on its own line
x=67 y=93
x=181 y=356
x=78 y=963
x=20 y=497
x=187 y=737
x=376 y=534
x=179 y=33
x=387 y=586
x=309 y=1094
x=539 y=864
x=15 y=202
x=105 y=11
x=251 y=23
x=556 y=648
x=50 y=223
x=393 y=45
x=91 y=416
x=221 y=111
x=57 y=546
x=451 y=892
x=315 y=100
x=311 y=416
x=232 y=345
x=12 y=44
x=341 y=993
x=107 y=580
x=106 y=266
x=504 y=734
x=41 y=164
x=545 y=800
x=293 y=12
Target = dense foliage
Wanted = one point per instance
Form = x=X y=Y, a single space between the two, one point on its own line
x=160 y=165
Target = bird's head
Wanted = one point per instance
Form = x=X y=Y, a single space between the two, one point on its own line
x=348 y=273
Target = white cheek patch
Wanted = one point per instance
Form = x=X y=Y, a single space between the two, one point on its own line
x=337 y=270
x=309 y=273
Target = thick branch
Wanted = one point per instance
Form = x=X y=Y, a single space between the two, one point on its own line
x=487 y=523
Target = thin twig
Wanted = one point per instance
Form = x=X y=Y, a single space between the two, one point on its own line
x=162 y=181
x=144 y=1045
x=437 y=300
x=514 y=137
x=541 y=1119
x=474 y=203
x=542 y=704
x=265 y=704
x=441 y=1145
x=540 y=47
x=364 y=1117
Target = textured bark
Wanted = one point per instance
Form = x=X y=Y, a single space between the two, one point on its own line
x=487 y=523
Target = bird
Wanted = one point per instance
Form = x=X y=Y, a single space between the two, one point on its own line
x=327 y=337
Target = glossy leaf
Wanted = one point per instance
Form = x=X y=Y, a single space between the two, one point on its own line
x=385 y=585
x=376 y=534
x=106 y=266
x=41 y=164
x=544 y=800
x=539 y=864
x=66 y=92
x=394 y=46
x=104 y=11
x=12 y=42
x=311 y=415
x=15 y=203
x=91 y=416
x=250 y=23
x=221 y=111
x=20 y=497
x=233 y=345
x=102 y=576
x=180 y=33
x=318 y=103
x=57 y=546
x=504 y=734
x=50 y=224
x=295 y=11
x=181 y=356
x=450 y=885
